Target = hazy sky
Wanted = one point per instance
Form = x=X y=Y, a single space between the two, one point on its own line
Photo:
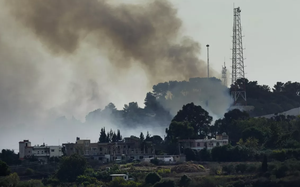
x=271 y=29
x=272 y=52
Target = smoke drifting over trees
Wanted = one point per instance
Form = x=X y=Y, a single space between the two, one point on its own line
x=67 y=58
x=145 y=34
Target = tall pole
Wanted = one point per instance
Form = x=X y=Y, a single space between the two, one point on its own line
x=238 y=73
x=207 y=47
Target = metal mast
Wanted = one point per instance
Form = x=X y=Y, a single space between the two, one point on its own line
x=207 y=47
x=238 y=73
x=224 y=75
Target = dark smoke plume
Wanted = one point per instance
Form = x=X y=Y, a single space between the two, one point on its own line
x=144 y=34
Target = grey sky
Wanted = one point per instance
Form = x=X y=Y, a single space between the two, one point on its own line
x=271 y=29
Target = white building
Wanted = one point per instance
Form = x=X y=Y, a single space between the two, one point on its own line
x=25 y=149
x=198 y=144
x=42 y=152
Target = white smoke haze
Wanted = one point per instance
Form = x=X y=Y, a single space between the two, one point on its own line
x=83 y=64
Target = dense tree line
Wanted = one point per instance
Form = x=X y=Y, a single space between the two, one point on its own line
x=168 y=97
x=266 y=100
x=110 y=136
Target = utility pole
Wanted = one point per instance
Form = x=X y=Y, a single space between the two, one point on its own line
x=238 y=90
x=207 y=47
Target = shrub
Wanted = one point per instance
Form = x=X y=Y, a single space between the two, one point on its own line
x=10 y=180
x=229 y=169
x=30 y=183
x=155 y=161
x=165 y=183
x=281 y=171
x=29 y=171
x=71 y=167
x=240 y=168
x=120 y=182
x=164 y=172
x=4 y=170
x=83 y=179
x=184 y=181
x=252 y=168
x=215 y=170
x=152 y=178
x=207 y=182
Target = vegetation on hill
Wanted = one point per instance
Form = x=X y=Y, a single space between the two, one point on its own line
x=266 y=100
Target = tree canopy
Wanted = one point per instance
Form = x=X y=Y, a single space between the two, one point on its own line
x=71 y=167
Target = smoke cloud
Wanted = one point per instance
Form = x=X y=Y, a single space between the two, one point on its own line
x=145 y=34
x=67 y=58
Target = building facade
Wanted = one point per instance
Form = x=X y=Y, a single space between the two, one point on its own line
x=42 y=152
x=198 y=144
x=128 y=148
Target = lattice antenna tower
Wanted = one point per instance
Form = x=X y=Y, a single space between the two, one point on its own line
x=239 y=90
x=224 y=75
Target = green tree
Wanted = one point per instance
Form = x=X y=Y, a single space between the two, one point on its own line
x=114 y=137
x=184 y=181
x=102 y=138
x=152 y=178
x=142 y=137
x=71 y=167
x=198 y=118
x=180 y=130
x=9 y=157
x=119 y=137
x=4 y=169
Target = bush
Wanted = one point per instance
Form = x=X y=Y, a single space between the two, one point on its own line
x=164 y=172
x=229 y=169
x=4 y=170
x=165 y=183
x=241 y=168
x=120 y=182
x=29 y=171
x=71 y=167
x=103 y=176
x=252 y=168
x=281 y=171
x=155 y=161
x=184 y=181
x=207 y=182
x=215 y=170
x=10 y=180
x=152 y=178
x=83 y=179
x=30 y=183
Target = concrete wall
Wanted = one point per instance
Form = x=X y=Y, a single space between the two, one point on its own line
x=55 y=151
x=22 y=148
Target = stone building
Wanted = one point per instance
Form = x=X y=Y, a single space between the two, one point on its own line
x=128 y=148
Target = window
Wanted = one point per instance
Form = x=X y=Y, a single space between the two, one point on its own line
x=198 y=144
x=100 y=148
x=42 y=152
x=52 y=150
x=38 y=152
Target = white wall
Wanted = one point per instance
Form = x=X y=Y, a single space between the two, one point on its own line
x=55 y=151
